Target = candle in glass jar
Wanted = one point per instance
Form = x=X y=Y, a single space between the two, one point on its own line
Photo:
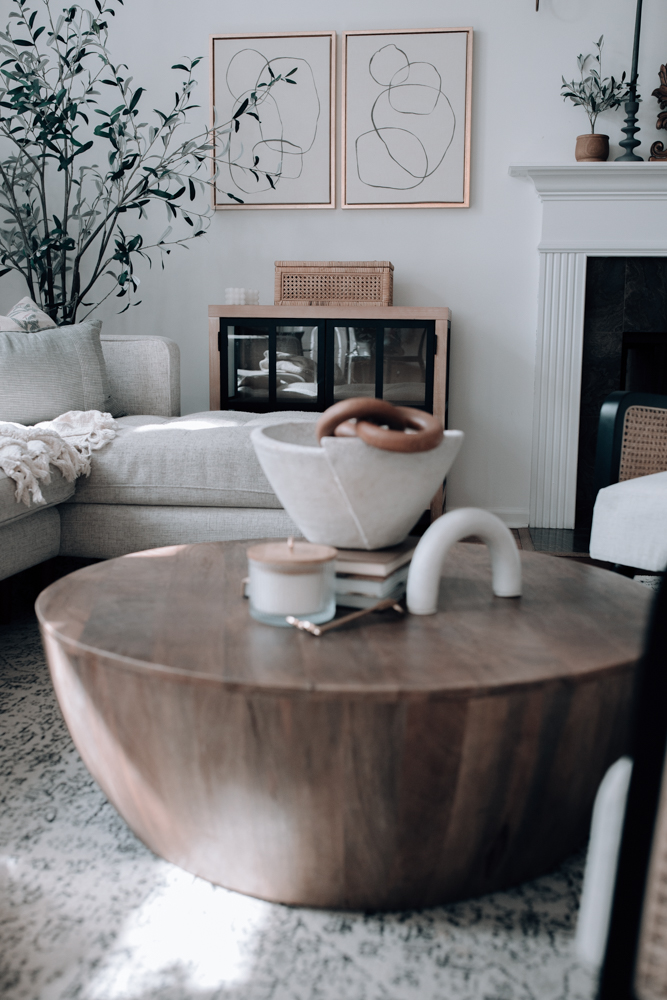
x=291 y=578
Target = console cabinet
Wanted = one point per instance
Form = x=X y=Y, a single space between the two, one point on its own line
x=306 y=358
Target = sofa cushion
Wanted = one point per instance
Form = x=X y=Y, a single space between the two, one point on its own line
x=201 y=460
x=56 y=491
x=630 y=523
x=26 y=316
x=44 y=374
x=144 y=374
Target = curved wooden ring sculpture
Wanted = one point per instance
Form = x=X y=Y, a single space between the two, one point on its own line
x=370 y=414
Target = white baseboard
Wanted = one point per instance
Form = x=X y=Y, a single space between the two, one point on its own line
x=514 y=517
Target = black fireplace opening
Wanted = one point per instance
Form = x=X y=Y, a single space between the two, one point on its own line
x=625 y=347
x=644 y=362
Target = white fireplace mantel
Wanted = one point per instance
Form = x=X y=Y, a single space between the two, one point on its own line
x=588 y=210
x=597 y=181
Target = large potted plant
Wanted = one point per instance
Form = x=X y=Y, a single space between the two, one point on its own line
x=82 y=162
x=595 y=95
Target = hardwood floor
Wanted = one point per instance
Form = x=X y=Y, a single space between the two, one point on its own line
x=523 y=539
x=560 y=541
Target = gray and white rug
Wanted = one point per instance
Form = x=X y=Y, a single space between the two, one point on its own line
x=88 y=913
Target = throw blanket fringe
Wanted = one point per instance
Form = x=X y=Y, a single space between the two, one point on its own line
x=26 y=453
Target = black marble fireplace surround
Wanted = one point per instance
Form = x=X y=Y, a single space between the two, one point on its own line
x=625 y=347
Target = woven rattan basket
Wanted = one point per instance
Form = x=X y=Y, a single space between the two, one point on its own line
x=334 y=282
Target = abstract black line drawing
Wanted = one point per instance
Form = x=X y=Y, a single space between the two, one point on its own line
x=271 y=141
x=274 y=98
x=406 y=127
x=392 y=156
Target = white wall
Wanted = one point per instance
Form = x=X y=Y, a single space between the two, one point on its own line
x=481 y=262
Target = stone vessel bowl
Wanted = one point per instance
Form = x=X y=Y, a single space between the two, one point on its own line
x=346 y=493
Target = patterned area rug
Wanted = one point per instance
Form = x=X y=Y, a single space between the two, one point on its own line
x=88 y=913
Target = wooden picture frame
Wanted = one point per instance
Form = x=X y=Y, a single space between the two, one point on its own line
x=274 y=144
x=391 y=80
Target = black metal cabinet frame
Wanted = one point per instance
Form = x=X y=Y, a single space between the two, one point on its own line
x=269 y=326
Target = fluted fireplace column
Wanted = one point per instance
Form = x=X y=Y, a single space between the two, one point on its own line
x=557 y=389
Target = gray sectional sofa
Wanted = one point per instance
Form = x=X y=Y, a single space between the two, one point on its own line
x=164 y=480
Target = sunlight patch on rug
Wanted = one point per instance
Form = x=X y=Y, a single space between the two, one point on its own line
x=185 y=930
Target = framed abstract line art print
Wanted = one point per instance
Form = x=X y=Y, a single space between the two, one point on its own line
x=406 y=124
x=273 y=99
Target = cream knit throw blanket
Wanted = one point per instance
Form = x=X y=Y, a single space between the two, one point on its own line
x=66 y=443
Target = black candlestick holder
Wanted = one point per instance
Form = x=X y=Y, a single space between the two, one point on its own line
x=629 y=144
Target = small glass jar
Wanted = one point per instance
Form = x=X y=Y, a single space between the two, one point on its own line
x=291 y=578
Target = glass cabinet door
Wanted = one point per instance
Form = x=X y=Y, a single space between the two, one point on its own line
x=382 y=360
x=297 y=352
x=246 y=349
x=264 y=365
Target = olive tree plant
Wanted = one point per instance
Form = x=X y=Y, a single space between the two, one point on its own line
x=71 y=226
x=593 y=93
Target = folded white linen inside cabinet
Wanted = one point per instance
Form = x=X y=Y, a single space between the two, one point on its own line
x=66 y=443
x=295 y=364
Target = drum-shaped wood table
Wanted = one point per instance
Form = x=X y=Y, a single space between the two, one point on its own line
x=397 y=762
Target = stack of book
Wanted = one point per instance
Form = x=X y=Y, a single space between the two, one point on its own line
x=364 y=578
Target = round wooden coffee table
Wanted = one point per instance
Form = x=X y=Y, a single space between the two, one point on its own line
x=398 y=762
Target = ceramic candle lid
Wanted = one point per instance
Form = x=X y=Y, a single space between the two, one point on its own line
x=295 y=557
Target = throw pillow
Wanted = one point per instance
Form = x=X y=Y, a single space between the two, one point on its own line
x=51 y=372
x=26 y=317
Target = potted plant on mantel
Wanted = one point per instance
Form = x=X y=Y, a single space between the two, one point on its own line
x=595 y=95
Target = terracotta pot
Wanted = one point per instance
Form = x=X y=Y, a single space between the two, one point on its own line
x=592 y=148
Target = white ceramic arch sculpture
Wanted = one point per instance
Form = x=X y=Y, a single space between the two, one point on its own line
x=430 y=554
